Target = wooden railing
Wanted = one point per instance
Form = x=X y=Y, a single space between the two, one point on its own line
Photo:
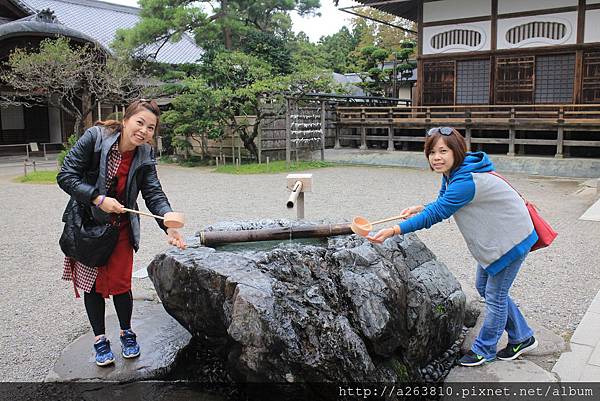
x=512 y=118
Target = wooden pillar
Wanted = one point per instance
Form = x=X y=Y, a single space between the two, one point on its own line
x=259 y=137
x=86 y=103
x=468 y=136
x=511 y=141
x=390 y=130
x=99 y=110
x=363 y=130
x=560 y=135
x=322 y=130
x=288 y=133
x=363 y=137
x=420 y=74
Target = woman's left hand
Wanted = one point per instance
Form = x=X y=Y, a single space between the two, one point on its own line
x=175 y=238
x=381 y=236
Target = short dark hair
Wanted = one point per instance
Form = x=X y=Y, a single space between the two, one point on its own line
x=455 y=142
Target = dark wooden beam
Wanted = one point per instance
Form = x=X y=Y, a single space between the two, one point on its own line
x=457 y=21
x=581 y=22
x=494 y=27
x=533 y=13
x=420 y=75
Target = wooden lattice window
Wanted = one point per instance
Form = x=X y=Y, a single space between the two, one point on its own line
x=591 y=77
x=438 y=85
x=515 y=80
x=536 y=29
x=465 y=37
x=473 y=82
x=554 y=78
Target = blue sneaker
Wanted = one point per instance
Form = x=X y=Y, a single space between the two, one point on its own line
x=104 y=355
x=129 y=346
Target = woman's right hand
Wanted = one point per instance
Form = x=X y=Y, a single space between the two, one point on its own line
x=109 y=205
x=411 y=211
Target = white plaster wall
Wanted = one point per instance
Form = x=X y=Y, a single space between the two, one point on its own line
x=515 y=6
x=592 y=26
x=569 y=19
x=593 y=1
x=483 y=27
x=455 y=9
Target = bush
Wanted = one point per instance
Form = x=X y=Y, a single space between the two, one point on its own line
x=71 y=141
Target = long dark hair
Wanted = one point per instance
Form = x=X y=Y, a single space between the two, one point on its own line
x=133 y=108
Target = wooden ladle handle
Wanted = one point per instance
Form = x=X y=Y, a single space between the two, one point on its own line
x=143 y=213
x=400 y=216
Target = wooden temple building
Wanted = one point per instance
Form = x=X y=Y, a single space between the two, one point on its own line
x=515 y=76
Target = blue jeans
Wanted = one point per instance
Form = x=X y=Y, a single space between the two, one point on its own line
x=502 y=313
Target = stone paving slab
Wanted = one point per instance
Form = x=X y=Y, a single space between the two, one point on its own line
x=595 y=357
x=501 y=371
x=571 y=365
x=593 y=213
x=588 y=331
x=549 y=342
x=595 y=305
x=160 y=338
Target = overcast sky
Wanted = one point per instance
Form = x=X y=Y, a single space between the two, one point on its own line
x=331 y=19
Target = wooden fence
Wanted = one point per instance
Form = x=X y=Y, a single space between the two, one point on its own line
x=502 y=123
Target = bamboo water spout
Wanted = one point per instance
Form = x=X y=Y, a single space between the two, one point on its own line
x=212 y=238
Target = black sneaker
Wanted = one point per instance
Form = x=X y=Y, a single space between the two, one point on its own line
x=471 y=359
x=512 y=351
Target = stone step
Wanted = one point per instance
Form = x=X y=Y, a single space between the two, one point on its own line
x=160 y=338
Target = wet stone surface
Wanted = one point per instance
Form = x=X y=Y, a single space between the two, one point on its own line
x=339 y=309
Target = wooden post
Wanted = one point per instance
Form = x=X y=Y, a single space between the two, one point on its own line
x=363 y=130
x=468 y=136
x=259 y=136
x=511 y=134
x=322 y=130
x=300 y=206
x=337 y=129
x=233 y=147
x=560 y=135
x=288 y=134
x=511 y=141
x=390 y=130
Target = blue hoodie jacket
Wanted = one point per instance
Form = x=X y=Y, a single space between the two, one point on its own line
x=491 y=216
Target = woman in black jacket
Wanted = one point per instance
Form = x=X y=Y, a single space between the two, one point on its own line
x=104 y=173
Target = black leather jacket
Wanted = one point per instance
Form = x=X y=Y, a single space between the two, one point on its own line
x=83 y=176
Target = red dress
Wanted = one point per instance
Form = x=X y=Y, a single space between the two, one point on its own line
x=115 y=277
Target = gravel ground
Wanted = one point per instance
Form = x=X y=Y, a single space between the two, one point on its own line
x=39 y=315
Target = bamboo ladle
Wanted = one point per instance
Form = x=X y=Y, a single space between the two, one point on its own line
x=171 y=219
x=363 y=227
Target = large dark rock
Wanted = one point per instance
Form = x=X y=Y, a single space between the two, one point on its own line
x=340 y=309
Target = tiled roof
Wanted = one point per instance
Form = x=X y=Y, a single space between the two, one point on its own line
x=101 y=20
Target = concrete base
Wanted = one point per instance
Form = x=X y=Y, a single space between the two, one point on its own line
x=160 y=338
x=544 y=166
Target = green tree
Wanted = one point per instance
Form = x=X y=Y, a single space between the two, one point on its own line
x=225 y=25
x=337 y=49
x=73 y=78
x=236 y=85
x=374 y=33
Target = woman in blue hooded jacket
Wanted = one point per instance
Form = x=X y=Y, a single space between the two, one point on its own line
x=496 y=226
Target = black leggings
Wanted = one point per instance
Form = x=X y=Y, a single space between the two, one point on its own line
x=94 y=306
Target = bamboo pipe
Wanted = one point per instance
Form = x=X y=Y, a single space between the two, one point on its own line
x=211 y=238
x=294 y=195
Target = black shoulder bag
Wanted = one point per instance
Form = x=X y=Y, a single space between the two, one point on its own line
x=83 y=238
